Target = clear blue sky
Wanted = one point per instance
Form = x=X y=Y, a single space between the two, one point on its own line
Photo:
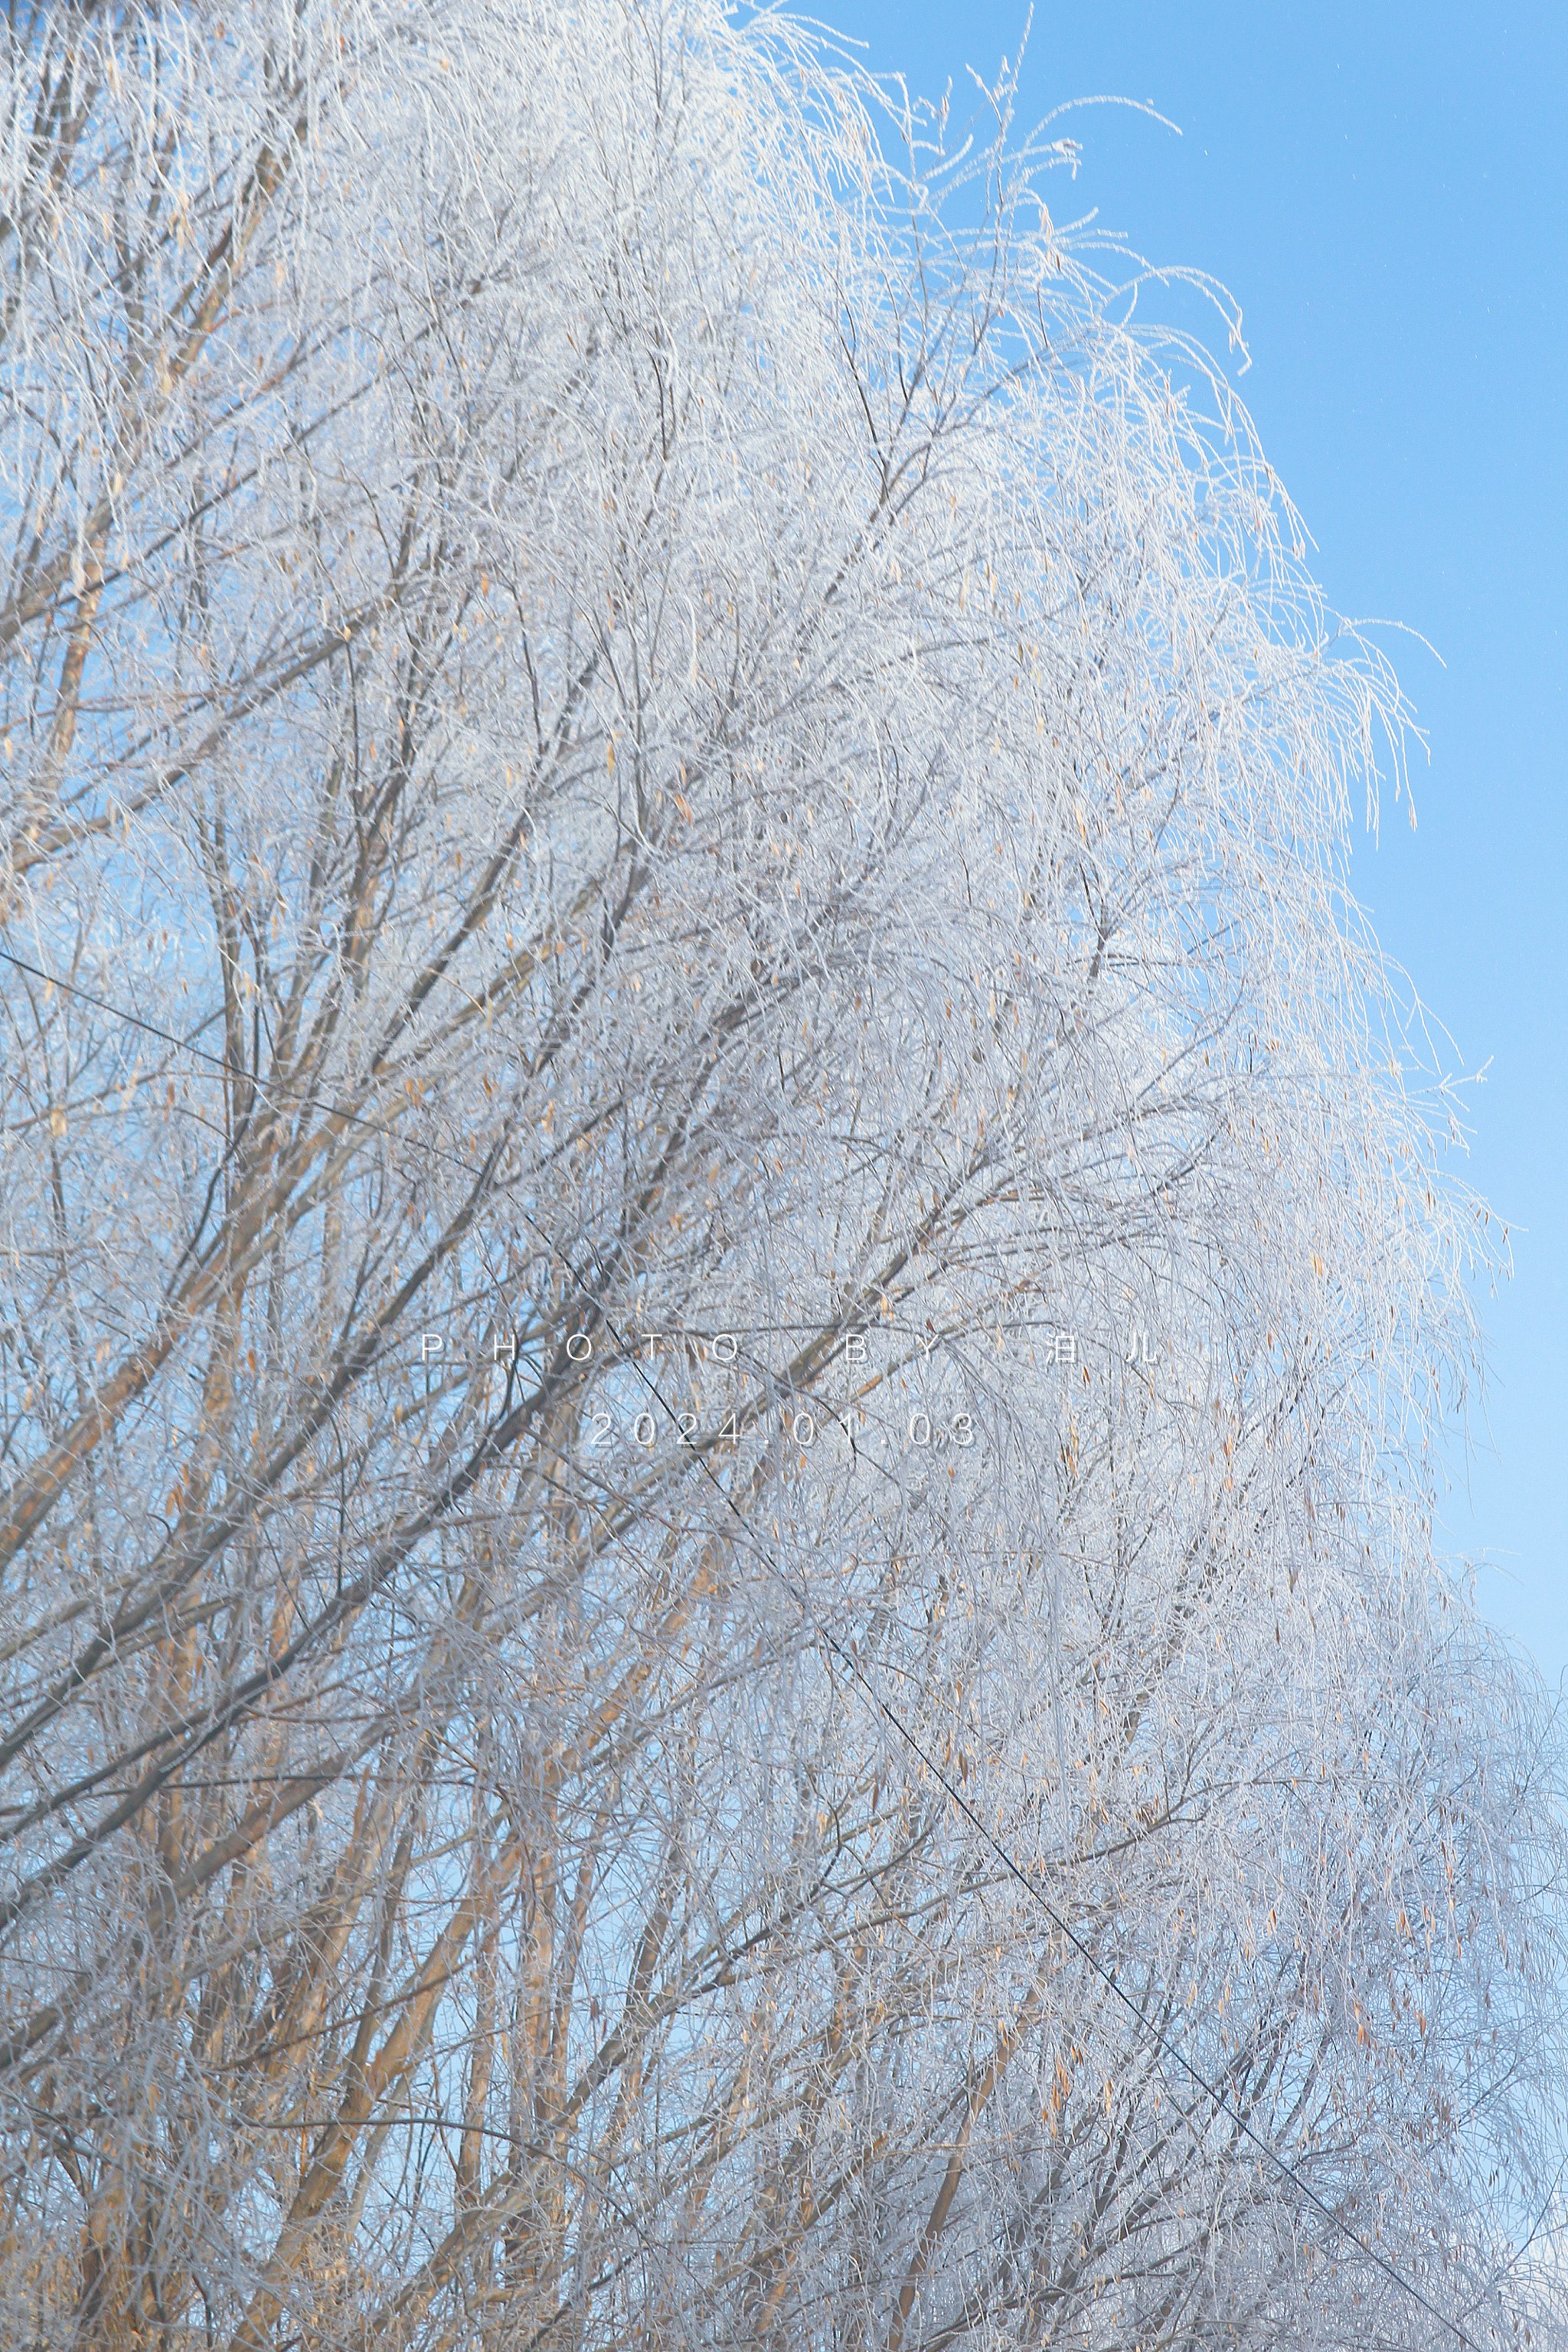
x=1384 y=188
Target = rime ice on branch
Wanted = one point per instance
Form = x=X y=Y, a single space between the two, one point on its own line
x=679 y=1003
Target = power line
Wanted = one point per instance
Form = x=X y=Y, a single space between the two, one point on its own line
x=1165 y=2047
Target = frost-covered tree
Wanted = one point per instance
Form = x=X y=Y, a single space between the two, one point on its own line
x=720 y=1306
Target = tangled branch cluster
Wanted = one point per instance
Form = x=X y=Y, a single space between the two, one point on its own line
x=680 y=1005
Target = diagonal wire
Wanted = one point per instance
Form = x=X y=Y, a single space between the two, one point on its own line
x=1166 y=2048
